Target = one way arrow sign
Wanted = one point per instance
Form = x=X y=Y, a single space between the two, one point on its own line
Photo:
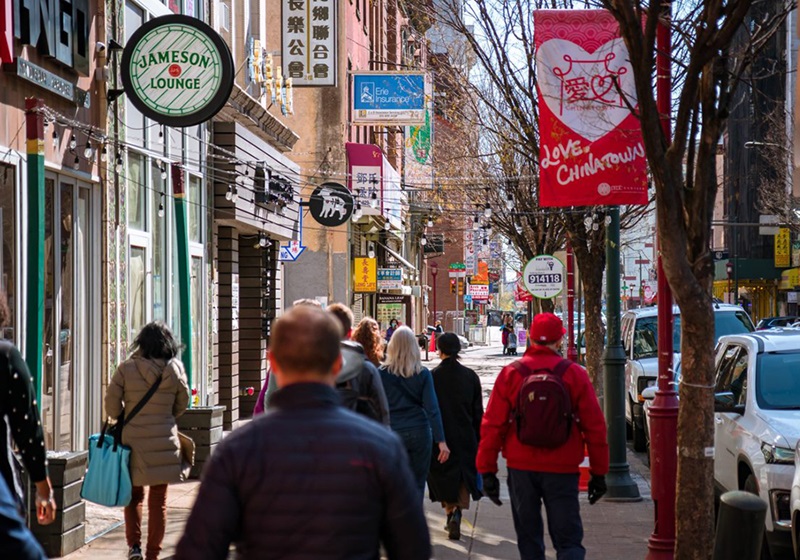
x=291 y=252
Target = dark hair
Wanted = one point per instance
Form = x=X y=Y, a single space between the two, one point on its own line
x=343 y=314
x=449 y=344
x=305 y=340
x=155 y=341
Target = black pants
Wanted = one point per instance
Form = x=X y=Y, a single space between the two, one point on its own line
x=559 y=492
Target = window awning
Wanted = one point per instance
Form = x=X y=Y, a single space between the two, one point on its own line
x=397 y=256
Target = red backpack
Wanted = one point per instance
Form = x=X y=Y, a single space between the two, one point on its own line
x=544 y=408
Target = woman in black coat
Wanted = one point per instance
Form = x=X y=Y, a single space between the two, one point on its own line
x=461 y=403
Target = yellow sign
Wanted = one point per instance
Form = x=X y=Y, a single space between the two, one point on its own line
x=365 y=275
x=783 y=248
x=789 y=279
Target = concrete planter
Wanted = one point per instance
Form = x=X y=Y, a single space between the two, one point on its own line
x=68 y=532
x=204 y=425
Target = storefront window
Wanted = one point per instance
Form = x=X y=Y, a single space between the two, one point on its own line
x=7 y=245
x=137 y=191
x=194 y=208
x=159 y=214
x=197 y=320
x=137 y=302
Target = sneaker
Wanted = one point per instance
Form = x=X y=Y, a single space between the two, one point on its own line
x=454 y=525
x=135 y=553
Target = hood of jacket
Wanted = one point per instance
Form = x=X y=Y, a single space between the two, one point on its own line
x=352 y=361
x=149 y=369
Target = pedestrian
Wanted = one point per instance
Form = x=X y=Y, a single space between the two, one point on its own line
x=542 y=473
x=393 y=324
x=270 y=385
x=19 y=418
x=368 y=334
x=437 y=327
x=460 y=397
x=413 y=407
x=152 y=434
x=310 y=479
x=506 y=329
x=359 y=383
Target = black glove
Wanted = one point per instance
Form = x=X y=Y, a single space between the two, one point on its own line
x=491 y=488
x=597 y=488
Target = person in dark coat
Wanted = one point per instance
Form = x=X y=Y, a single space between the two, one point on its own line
x=461 y=403
x=308 y=479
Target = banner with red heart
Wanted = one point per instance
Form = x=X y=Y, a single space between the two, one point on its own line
x=591 y=150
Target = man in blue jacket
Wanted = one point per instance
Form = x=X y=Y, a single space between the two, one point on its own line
x=309 y=479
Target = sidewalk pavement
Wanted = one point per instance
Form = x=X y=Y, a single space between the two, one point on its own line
x=612 y=530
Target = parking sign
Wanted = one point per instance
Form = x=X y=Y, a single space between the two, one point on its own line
x=544 y=276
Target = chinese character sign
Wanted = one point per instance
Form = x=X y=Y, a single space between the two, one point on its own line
x=365 y=275
x=591 y=143
x=783 y=248
x=309 y=42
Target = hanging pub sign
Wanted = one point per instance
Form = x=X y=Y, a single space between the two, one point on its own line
x=592 y=151
x=308 y=29
x=331 y=204
x=177 y=70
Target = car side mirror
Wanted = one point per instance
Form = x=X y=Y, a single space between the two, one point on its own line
x=649 y=393
x=723 y=402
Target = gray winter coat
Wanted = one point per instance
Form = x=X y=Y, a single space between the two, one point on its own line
x=152 y=435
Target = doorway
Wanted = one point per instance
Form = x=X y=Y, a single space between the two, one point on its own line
x=71 y=375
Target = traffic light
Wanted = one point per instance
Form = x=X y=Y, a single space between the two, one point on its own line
x=452 y=285
x=461 y=286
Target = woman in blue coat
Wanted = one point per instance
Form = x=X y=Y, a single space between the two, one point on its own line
x=413 y=408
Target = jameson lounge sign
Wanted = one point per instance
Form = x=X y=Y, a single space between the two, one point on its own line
x=177 y=70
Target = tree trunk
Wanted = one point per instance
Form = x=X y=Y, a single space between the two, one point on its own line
x=592 y=265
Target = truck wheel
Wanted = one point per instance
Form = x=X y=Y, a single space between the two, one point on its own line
x=751 y=486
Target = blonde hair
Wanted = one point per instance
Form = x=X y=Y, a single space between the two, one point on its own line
x=402 y=354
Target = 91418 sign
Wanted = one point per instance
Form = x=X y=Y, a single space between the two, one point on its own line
x=544 y=276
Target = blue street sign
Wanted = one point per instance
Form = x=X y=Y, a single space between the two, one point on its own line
x=397 y=97
x=467 y=298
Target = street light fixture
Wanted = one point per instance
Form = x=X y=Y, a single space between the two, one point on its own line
x=729 y=270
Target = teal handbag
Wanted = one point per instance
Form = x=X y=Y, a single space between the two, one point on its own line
x=108 y=477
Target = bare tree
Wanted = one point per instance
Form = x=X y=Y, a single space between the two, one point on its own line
x=709 y=71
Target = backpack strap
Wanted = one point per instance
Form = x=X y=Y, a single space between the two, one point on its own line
x=560 y=369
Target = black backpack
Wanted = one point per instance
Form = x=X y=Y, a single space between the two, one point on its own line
x=356 y=392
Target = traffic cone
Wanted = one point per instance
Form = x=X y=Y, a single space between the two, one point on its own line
x=583 y=481
x=432 y=343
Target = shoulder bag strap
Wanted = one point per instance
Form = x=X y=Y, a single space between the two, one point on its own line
x=140 y=405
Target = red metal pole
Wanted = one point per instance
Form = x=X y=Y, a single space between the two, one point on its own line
x=572 y=351
x=434 y=272
x=664 y=411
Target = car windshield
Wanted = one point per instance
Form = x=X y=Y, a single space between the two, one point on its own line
x=645 y=337
x=778 y=380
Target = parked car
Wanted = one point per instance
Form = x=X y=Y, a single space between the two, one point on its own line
x=772 y=322
x=640 y=340
x=757 y=425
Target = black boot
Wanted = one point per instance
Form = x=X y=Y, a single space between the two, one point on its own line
x=454 y=525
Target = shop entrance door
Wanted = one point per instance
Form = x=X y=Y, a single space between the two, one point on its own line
x=71 y=377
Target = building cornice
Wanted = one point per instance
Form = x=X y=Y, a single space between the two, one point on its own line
x=245 y=109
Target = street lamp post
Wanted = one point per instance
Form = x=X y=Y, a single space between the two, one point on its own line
x=572 y=351
x=621 y=486
x=434 y=271
x=729 y=270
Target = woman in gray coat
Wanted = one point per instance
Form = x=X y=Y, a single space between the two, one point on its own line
x=152 y=434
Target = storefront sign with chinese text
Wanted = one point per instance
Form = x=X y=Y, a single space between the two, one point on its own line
x=390 y=278
x=592 y=151
x=783 y=248
x=365 y=276
x=309 y=42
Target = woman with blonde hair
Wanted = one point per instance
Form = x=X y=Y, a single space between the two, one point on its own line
x=413 y=407
x=368 y=335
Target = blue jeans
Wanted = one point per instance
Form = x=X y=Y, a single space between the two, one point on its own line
x=16 y=540
x=418 y=443
x=559 y=492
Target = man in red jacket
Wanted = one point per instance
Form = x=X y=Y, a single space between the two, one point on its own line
x=537 y=474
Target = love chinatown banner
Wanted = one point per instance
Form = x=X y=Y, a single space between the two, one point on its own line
x=591 y=149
